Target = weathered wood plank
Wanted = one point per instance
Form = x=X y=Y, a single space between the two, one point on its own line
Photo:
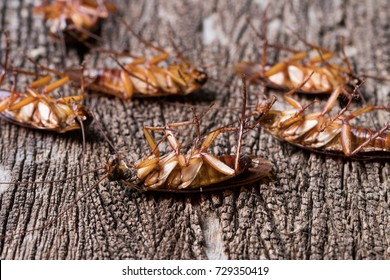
x=317 y=207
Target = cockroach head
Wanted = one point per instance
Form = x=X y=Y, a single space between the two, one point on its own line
x=263 y=108
x=83 y=114
x=117 y=169
x=200 y=76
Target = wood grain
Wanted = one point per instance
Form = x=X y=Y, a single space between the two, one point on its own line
x=317 y=207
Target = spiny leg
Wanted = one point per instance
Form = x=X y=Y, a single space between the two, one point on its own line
x=364 y=110
x=242 y=124
x=197 y=127
x=164 y=54
x=123 y=67
x=168 y=130
x=151 y=141
x=46 y=79
x=296 y=104
x=33 y=95
x=179 y=54
x=332 y=99
x=263 y=37
x=168 y=135
x=345 y=58
x=342 y=111
x=45 y=68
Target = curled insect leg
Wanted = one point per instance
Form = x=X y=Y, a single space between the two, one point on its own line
x=164 y=54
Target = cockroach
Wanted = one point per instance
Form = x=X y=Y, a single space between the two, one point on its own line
x=194 y=171
x=39 y=111
x=143 y=77
x=288 y=74
x=197 y=169
x=35 y=107
x=75 y=21
x=320 y=132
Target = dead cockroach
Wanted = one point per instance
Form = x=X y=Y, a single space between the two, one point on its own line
x=194 y=171
x=41 y=111
x=288 y=74
x=75 y=21
x=320 y=132
x=38 y=109
x=145 y=78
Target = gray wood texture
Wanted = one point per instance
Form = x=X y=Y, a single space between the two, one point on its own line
x=316 y=206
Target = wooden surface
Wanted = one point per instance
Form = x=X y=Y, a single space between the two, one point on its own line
x=317 y=207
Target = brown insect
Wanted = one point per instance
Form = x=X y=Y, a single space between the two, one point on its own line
x=143 y=77
x=194 y=171
x=290 y=73
x=197 y=169
x=35 y=107
x=320 y=132
x=75 y=21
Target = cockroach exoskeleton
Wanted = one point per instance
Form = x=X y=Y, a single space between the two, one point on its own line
x=197 y=169
x=32 y=109
x=143 y=77
x=75 y=21
x=35 y=107
x=288 y=74
x=320 y=132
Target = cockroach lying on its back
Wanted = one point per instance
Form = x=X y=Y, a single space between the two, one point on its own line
x=40 y=111
x=145 y=78
x=288 y=74
x=196 y=170
x=320 y=132
x=35 y=107
x=75 y=21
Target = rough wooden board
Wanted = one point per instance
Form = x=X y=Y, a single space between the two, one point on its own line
x=317 y=207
